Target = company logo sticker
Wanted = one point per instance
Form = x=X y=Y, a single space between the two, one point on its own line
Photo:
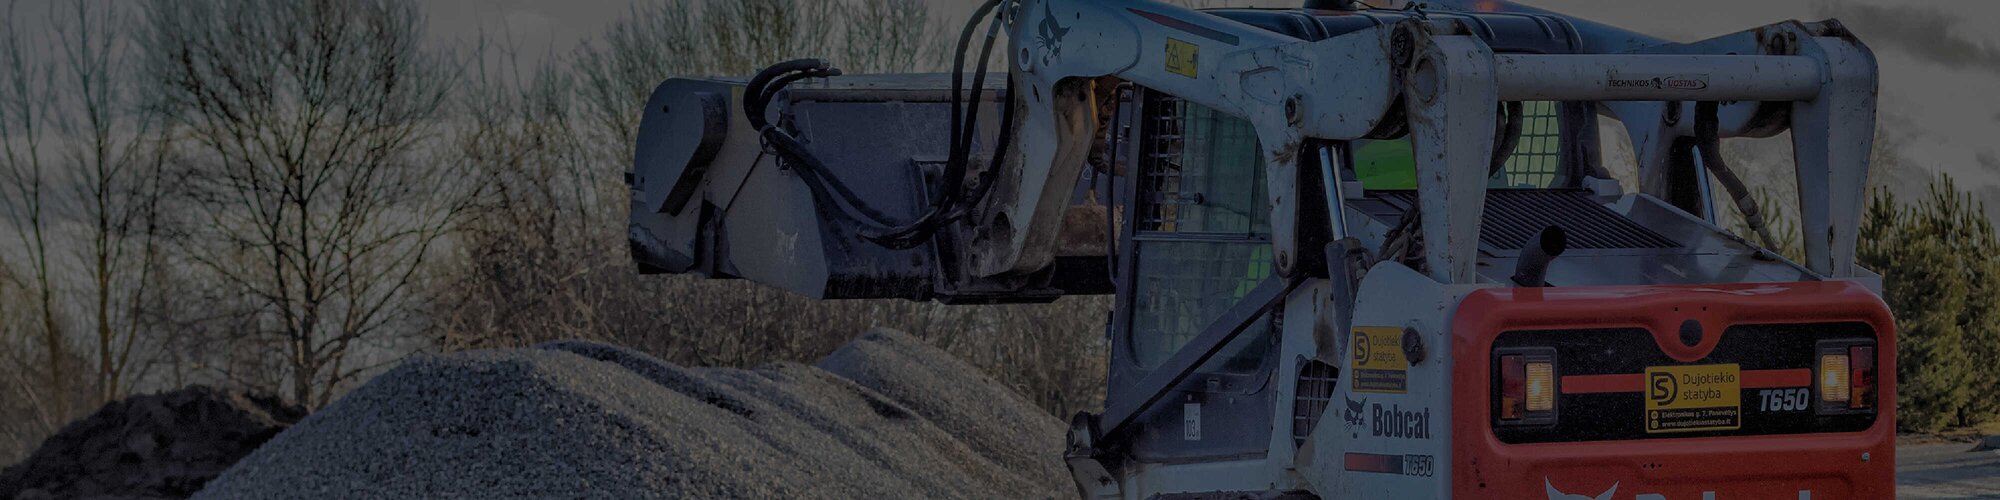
x=1394 y=422
x=1379 y=365
x=1693 y=398
x=1390 y=422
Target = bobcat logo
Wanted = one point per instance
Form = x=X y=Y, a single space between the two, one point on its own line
x=1555 y=494
x=1355 y=417
x=1050 y=36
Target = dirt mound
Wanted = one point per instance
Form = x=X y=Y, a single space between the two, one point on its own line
x=576 y=418
x=164 y=445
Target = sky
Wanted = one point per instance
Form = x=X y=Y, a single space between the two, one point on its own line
x=1939 y=60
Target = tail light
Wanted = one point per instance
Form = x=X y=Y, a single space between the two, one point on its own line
x=1861 y=378
x=1513 y=387
x=1526 y=387
x=1846 y=377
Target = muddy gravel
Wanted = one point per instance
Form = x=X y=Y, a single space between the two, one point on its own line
x=165 y=445
x=887 y=416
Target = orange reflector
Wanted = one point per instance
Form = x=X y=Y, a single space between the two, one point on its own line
x=1833 y=376
x=1541 y=387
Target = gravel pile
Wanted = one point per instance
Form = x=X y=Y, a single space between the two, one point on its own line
x=576 y=419
x=163 y=445
x=958 y=398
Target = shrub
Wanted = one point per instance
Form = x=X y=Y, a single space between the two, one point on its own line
x=1938 y=260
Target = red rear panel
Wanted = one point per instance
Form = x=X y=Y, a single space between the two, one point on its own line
x=1672 y=392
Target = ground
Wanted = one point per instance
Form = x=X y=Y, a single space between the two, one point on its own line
x=1950 y=466
x=1946 y=470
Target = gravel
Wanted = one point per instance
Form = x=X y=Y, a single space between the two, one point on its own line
x=886 y=416
x=163 y=445
x=957 y=397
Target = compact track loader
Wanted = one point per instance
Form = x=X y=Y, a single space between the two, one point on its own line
x=1355 y=252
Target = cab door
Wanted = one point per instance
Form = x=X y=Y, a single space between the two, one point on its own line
x=1197 y=240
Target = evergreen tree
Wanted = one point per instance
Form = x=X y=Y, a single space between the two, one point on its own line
x=1939 y=260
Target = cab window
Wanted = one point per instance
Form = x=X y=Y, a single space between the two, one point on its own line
x=1203 y=232
x=1535 y=164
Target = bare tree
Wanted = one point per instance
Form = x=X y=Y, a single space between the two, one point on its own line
x=890 y=36
x=112 y=159
x=746 y=35
x=21 y=425
x=531 y=259
x=669 y=38
x=26 y=186
x=303 y=123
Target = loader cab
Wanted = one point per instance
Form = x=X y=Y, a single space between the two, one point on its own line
x=1195 y=234
x=1195 y=239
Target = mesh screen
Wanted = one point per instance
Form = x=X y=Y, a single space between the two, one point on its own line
x=1313 y=393
x=1537 y=159
x=1203 y=229
x=1535 y=164
x=1203 y=172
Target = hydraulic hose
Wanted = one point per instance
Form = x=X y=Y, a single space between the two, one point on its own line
x=1001 y=145
x=965 y=115
x=960 y=127
x=963 y=145
x=754 y=105
x=1708 y=143
x=827 y=189
x=1506 y=137
x=818 y=177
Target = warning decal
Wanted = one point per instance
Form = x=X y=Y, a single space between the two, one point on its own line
x=1379 y=365
x=1183 y=58
x=1693 y=398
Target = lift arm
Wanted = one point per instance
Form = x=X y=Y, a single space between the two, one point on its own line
x=1812 y=79
x=1342 y=88
x=1336 y=89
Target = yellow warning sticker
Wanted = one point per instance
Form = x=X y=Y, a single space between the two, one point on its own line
x=1693 y=398
x=1379 y=365
x=1183 y=58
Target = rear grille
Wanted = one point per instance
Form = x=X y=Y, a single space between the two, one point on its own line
x=1312 y=393
x=1515 y=217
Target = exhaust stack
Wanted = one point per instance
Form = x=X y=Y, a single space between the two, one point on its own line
x=1533 y=266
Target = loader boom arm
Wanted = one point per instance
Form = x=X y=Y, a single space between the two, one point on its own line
x=1343 y=88
x=700 y=155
